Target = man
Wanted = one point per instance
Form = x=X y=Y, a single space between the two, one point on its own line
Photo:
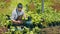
x=17 y=12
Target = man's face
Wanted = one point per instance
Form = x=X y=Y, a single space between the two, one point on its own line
x=19 y=9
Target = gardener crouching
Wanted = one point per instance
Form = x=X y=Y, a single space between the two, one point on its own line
x=16 y=13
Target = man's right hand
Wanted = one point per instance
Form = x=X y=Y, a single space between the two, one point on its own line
x=18 y=22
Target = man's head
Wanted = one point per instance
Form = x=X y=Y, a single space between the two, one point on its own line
x=19 y=7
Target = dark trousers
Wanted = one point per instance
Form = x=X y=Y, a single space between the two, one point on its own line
x=28 y=24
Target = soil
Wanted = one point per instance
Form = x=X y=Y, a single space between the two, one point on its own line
x=51 y=30
x=56 y=5
x=3 y=30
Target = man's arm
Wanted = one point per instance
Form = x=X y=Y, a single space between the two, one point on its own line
x=13 y=18
x=14 y=21
x=24 y=15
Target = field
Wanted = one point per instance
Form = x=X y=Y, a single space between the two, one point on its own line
x=33 y=8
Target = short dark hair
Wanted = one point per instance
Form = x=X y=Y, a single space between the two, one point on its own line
x=19 y=5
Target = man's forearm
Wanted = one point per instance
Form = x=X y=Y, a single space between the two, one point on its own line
x=14 y=21
x=24 y=16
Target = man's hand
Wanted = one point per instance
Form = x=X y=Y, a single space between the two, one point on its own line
x=18 y=22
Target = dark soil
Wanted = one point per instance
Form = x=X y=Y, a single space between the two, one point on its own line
x=51 y=30
x=3 y=30
x=56 y=5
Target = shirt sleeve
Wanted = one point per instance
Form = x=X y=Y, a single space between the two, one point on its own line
x=13 y=16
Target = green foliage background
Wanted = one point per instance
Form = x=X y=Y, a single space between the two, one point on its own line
x=49 y=14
